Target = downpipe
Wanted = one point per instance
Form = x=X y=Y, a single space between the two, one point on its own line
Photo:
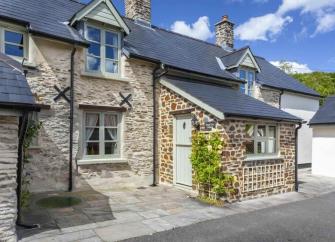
x=71 y=120
x=296 y=156
x=158 y=72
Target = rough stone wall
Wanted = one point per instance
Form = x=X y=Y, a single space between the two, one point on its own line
x=234 y=153
x=224 y=31
x=138 y=9
x=8 y=166
x=49 y=164
x=269 y=96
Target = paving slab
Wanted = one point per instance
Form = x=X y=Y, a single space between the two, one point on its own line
x=123 y=231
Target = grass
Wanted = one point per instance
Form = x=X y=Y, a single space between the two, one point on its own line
x=58 y=202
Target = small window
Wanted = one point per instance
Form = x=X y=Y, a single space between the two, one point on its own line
x=103 y=55
x=249 y=77
x=102 y=135
x=261 y=139
x=14 y=44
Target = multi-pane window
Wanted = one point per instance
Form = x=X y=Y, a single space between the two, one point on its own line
x=262 y=139
x=14 y=43
x=249 y=77
x=102 y=134
x=103 y=55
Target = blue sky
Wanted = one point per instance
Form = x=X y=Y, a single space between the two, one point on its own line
x=301 y=31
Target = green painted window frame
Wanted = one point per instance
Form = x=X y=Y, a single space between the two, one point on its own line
x=102 y=71
x=267 y=138
x=102 y=140
x=3 y=29
x=248 y=90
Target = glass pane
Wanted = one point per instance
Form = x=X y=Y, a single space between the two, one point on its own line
x=261 y=131
x=13 y=37
x=94 y=49
x=93 y=34
x=93 y=63
x=272 y=146
x=243 y=75
x=92 y=120
x=111 y=53
x=272 y=131
x=250 y=129
x=261 y=147
x=14 y=50
x=111 y=120
x=111 y=66
x=110 y=134
x=92 y=148
x=111 y=148
x=250 y=148
x=92 y=134
x=242 y=88
x=251 y=77
x=111 y=39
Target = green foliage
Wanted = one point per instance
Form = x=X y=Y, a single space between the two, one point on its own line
x=32 y=132
x=322 y=82
x=206 y=163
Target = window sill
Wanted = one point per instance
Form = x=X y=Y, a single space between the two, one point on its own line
x=101 y=161
x=29 y=65
x=270 y=157
x=105 y=76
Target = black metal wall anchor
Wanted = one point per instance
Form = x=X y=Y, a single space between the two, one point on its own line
x=126 y=100
x=62 y=94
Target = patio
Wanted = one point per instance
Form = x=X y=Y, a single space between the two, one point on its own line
x=113 y=215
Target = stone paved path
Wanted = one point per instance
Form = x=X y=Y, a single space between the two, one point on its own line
x=106 y=215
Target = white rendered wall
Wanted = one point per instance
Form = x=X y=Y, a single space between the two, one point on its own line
x=324 y=150
x=303 y=107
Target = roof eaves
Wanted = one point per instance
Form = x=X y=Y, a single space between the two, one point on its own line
x=290 y=90
x=263 y=117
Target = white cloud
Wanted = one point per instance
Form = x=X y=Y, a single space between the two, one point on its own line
x=326 y=23
x=268 y=26
x=262 y=28
x=199 y=30
x=295 y=66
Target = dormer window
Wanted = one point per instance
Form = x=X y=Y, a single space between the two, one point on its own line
x=103 y=55
x=249 y=77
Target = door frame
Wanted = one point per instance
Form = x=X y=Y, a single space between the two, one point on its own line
x=175 y=117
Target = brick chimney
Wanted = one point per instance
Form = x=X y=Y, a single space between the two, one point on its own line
x=138 y=10
x=224 y=31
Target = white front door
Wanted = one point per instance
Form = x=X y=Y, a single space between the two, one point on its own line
x=183 y=146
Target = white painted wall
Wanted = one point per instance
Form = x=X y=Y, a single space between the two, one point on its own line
x=303 y=107
x=323 y=150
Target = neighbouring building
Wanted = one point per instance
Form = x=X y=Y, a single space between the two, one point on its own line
x=16 y=102
x=323 y=152
x=114 y=90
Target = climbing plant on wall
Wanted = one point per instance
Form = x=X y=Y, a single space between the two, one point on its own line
x=33 y=129
x=206 y=163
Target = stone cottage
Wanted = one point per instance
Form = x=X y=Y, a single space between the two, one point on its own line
x=16 y=103
x=114 y=89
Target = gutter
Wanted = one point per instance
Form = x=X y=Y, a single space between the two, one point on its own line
x=158 y=72
x=71 y=119
x=296 y=157
x=289 y=90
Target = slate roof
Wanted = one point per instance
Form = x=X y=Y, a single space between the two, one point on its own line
x=50 y=17
x=232 y=58
x=14 y=88
x=230 y=102
x=326 y=114
x=272 y=76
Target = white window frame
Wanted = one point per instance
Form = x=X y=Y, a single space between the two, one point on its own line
x=102 y=136
x=265 y=139
x=102 y=71
x=247 y=88
x=9 y=27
